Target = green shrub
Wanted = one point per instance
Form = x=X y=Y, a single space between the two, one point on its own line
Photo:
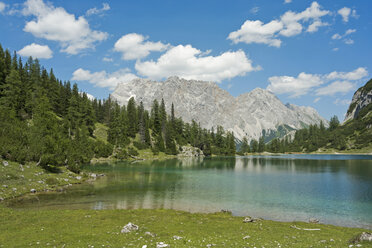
x=121 y=153
x=139 y=145
x=51 y=181
x=132 y=151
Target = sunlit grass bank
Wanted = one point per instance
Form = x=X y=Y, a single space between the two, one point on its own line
x=88 y=228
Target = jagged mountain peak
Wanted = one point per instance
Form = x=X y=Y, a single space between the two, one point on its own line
x=250 y=114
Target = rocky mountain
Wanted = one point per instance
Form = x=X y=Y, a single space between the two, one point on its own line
x=251 y=114
x=362 y=99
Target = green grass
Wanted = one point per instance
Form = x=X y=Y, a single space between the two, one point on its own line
x=148 y=155
x=16 y=180
x=88 y=228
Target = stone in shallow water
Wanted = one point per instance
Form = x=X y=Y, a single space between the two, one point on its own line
x=129 y=227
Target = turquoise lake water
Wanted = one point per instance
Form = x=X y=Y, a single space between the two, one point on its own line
x=336 y=189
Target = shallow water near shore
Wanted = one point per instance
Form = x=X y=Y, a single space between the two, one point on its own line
x=336 y=189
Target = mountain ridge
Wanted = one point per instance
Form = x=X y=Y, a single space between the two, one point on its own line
x=250 y=114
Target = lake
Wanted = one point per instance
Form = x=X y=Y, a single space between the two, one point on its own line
x=336 y=189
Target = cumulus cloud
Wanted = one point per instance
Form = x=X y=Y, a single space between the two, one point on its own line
x=102 y=78
x=95 y=11
x=335 y=87
x=2 y=7
x=254 y=10
x=339 y=101
x=347 y=41
x=315 y=26
x=135 y=46
x=289 y=24
x=357 y=74
x=350 y=31
x=190 y=63
x=287 y=1
x=336 y=37
x=36 y=51
x=55 y=24
x=295 y=86
x=106 y=59
x=344 y=13
x=257 y=32
x=338 y=82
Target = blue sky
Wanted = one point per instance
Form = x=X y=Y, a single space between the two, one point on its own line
x=314 y=53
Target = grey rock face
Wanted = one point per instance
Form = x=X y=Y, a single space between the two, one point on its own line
x=360 y=100
x=188 y=151
x=246 y=115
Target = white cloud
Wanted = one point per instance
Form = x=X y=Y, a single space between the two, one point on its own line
x=336 y=37
x=190 y=63
x=95 y=11
x=51 y=23
x=287 y=1
x=357 y=74
x=339 y=101
x=289 y=24
x=344 y=12
x=316 y=100
x=36 y=51
x=339 y=82
x=347 y=32
x=350 y=31
x=349 y=41
x=134 y=46
x=315 y=26
x=257 y=32
x=254 y=10
x=295 y=86
x=2 y=7
x=106 y=59
x=335 y=49
x=354 y=14
x=335 y=87
x=102 y=78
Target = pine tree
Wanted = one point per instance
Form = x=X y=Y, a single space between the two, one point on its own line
x=244 y=148
x=261 y=144
x=132 y=117
x=155 y=117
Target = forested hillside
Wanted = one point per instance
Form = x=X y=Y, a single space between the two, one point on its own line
x=46 y=120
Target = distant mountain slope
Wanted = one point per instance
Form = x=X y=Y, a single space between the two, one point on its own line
x=251 y=114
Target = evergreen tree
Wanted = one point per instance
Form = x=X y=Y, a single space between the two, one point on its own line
x=132 y=117
x=244 y=148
